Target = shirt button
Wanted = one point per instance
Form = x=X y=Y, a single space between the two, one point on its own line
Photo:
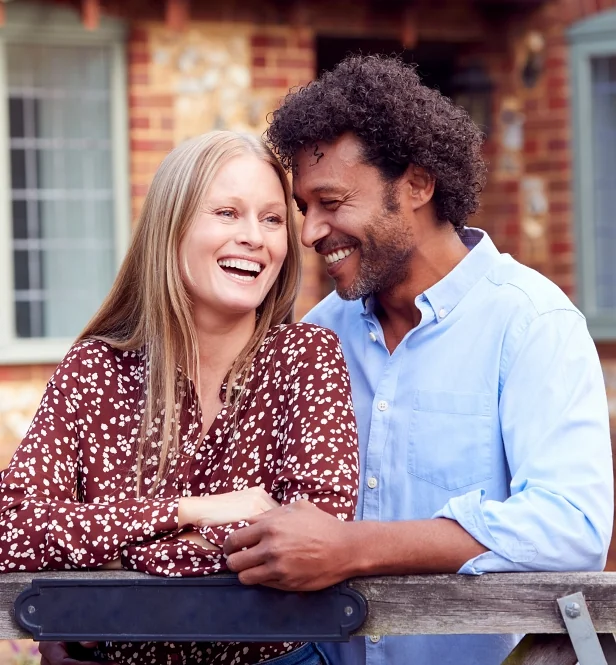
x=442 y=313
x=372 y=336
x=375 y=638
x=372 y=482
x=382 y=405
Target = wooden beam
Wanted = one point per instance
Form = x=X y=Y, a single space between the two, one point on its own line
x=177 y=14
x=497 y=603
x=90 y=14
x=425 y=604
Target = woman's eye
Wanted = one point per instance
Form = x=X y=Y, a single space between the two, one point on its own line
x=226 y=213
x=274 y=219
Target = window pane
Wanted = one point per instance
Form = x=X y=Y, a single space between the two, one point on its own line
x=604 y=156
x=22 y=319
x=16 y=117
x=18 y=169
x=20 y=220
x=21 y=273
x=62 y=197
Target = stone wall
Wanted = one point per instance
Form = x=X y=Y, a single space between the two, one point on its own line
x=213 y=75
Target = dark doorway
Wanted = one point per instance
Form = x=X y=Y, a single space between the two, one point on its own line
x=435 y=61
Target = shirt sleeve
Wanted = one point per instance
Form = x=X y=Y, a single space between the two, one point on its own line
x=43 y=526
x=555 y=429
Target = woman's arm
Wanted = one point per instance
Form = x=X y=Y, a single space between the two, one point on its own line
x=319 y=440
x=42 y=524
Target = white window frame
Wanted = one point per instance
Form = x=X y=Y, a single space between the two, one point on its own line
x=52 y=25
x=592 y=37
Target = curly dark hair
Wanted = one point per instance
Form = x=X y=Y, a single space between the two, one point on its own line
x=399 y=121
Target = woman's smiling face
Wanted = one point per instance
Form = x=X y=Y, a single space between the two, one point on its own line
x=233 y=251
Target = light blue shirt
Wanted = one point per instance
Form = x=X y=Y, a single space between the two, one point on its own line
x=491 y=412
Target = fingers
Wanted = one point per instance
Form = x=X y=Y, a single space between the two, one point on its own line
x=53 y=652
x=56 y=653
x=271 y=513
x=261 y=574
x=249 y=536
x=246 y=559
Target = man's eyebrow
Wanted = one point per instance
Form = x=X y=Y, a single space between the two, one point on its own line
x=321 y=189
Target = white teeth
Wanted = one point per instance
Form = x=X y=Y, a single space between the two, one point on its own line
x=240 y=264
x=245 y=278
x=338 y=255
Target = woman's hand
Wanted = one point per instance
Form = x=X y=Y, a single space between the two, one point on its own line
x=220 y=509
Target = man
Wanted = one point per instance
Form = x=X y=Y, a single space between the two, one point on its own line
x=482 y=414
x=478 y=393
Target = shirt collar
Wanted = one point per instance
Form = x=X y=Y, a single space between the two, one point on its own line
x=450 y=290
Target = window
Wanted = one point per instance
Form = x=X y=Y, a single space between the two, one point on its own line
x=65 y=225
x=593 y=65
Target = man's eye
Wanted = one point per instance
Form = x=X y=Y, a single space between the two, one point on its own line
x=330 y=203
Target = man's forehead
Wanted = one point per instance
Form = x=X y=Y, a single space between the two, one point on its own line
x=345 y=148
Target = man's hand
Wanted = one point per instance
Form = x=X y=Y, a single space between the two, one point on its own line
x=295 y=548
x=56 y=653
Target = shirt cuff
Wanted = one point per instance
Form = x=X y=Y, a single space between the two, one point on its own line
x=506 y=554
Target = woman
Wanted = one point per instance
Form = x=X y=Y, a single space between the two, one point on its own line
x=190 y=402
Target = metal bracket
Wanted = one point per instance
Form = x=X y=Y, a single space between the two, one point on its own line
x=581 y=630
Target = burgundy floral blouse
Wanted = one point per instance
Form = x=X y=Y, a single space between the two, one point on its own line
x=68 y=499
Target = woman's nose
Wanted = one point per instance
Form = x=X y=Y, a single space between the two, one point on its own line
x=250 y=233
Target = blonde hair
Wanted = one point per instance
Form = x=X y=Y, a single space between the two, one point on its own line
x=149 y=307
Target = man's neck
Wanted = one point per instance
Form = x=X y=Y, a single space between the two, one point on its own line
x=433 y=258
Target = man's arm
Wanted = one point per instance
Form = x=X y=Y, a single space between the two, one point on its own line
x=299 y=547
x=555 y=429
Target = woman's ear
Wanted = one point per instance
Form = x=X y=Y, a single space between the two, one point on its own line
x=419 y=186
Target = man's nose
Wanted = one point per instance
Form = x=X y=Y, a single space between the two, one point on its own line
x=314 y=228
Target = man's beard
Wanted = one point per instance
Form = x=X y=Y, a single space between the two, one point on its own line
x=384 y=257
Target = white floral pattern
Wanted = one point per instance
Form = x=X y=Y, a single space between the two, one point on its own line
x=68 y=498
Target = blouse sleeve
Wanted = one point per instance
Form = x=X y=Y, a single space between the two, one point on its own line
x=316 y=431
x=317 y=444
x=43 y=526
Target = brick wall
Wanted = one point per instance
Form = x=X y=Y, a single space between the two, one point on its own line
x=231 y=64
x=223 y=75
x=21 y=389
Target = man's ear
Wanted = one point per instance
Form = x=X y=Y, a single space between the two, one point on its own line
x=419 y=186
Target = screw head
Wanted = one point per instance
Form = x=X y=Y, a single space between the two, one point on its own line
x=348 y=610
x=31 y=609
x=573 y=610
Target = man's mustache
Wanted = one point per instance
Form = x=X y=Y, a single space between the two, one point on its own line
x=329 y=244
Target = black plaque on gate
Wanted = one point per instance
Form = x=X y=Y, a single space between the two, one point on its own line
x=185 y=610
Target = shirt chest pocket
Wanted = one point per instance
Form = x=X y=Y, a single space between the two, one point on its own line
x=450 y=438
